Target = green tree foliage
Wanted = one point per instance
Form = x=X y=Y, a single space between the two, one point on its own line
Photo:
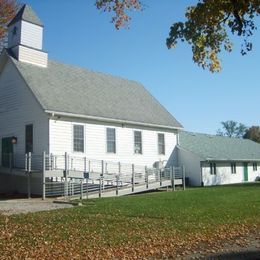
x=207 y=27
x=253 y=133
x=232 y=129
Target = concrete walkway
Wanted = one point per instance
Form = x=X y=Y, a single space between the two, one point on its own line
x=18 y=206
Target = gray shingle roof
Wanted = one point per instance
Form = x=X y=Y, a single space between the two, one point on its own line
x=69 y=89
x=212 y=147
x=27 y=14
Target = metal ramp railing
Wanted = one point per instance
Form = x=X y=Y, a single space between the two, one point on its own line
x=67 y=176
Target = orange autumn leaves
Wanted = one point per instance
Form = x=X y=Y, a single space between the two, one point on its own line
x=8 y=10
x=120 y=9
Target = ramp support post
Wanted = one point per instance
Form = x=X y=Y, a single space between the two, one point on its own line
x=183 y=177
x=43 y=174
x=29 y=165
x=133 y=177
x=160 y=173
x=66 y=174
x=100 y=187
x=146 y=178
x=173 y=177
x=117 y=185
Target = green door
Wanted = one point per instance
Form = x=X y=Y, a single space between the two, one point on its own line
x=245 y=172
x=7 y=148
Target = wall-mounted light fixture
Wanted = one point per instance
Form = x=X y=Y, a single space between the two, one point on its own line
x=14 y=140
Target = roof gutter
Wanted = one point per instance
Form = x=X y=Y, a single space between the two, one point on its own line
x=110 y=120
x=232 y=160
x=218 y=160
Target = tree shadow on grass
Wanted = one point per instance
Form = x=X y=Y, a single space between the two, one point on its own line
x=14 y=196
x=245 y=255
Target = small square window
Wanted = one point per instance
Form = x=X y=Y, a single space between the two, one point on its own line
x=14 y=31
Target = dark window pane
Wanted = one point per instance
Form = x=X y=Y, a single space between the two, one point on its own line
x=233 y=168
x=213 y=169
x=29 y=138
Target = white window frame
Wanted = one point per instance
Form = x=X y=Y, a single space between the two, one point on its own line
x=255 y=167
x=113 y=152
x=134 y=131
x=158 y=144
x=84 y=139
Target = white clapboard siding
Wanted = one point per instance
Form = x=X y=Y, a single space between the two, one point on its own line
x=31 y=35
x=192 y=166
x=61 y=141
x=18 y=107
x=252 y=175
x=26 y=34
x=31 y=56
x=224 y=175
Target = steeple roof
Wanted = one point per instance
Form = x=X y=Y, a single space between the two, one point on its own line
x=27 y=14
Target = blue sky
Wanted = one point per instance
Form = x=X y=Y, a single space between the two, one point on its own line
x=77 y=33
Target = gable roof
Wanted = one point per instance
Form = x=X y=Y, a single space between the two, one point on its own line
x=219 y=148
x=77 y=91
x=27 y=14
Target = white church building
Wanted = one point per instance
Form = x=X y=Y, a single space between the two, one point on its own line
x=58 y=108
x=62 y=109
x=216 y=160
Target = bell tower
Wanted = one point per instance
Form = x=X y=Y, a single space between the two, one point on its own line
x=25 y=37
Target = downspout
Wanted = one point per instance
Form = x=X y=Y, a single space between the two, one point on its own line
x=50 y=133
x=201 y=177
x=177 y=149
x=178 y=138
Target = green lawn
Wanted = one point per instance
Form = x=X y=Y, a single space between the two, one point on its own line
x=126 y=222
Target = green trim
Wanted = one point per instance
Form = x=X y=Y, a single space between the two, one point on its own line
x=245 y=171
x=7 y=149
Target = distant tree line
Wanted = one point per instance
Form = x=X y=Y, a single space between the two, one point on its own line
x=232 y=128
